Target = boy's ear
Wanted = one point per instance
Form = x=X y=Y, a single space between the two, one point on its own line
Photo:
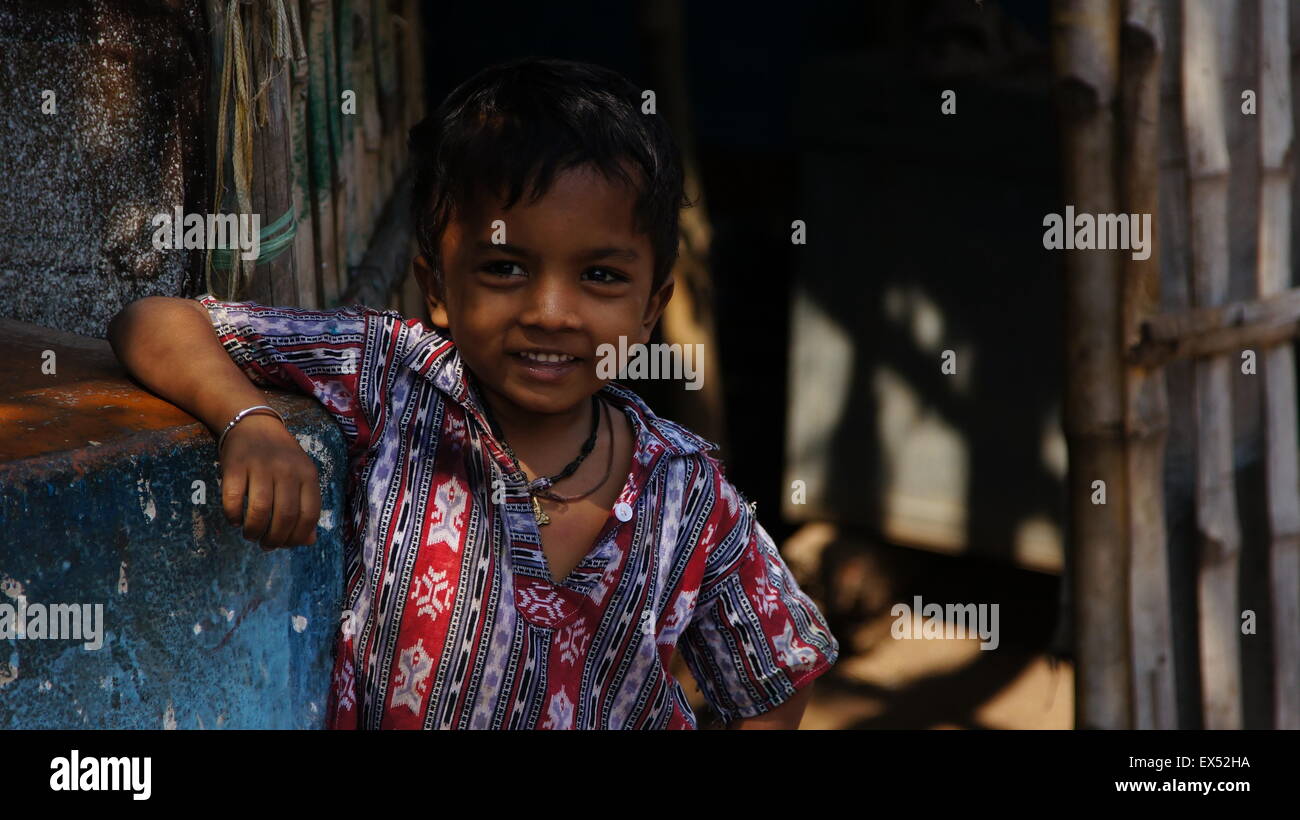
x=430 y=285
x=654 y=308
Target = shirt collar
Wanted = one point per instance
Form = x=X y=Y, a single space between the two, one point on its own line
x=435 y=357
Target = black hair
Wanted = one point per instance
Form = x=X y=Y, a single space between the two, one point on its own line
x=527 y=119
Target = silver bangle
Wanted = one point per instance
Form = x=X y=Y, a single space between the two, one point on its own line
x=247 y=411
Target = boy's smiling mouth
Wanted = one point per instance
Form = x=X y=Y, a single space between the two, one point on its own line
x=546 y=356
x=546 y=365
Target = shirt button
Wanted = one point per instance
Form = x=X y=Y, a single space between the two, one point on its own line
x=623 y=511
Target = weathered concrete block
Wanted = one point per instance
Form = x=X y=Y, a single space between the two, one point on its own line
x=110 y=499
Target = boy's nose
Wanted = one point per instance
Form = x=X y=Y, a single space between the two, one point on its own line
x=551 y=305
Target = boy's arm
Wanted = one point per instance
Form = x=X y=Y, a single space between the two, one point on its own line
x=786 y=716
x=168 y=345
x=755 y=641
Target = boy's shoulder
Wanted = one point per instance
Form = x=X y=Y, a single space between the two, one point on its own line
x=676 y=438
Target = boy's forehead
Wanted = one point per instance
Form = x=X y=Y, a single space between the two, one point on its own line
x=578 y=200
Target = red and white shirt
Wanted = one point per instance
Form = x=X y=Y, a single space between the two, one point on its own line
x=451 y=619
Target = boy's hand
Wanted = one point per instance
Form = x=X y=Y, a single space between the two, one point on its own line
x=263 y=460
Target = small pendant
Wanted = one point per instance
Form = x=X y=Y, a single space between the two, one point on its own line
x=539 y=514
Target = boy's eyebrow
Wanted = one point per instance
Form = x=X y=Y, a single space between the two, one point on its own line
x=484 y=246
x=607 y=252
x=627 y=254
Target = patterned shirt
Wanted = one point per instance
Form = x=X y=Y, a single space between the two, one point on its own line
x=451 y=618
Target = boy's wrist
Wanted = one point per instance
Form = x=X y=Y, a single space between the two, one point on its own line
x=219 y=411
x=265 y=427
x=245 y=417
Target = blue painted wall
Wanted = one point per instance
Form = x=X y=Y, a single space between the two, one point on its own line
x=201 y=629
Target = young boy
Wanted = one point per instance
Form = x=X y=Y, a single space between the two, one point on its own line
x=527 y=542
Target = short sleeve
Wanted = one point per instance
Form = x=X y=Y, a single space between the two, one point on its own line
x=755 y=638
x=338 y=356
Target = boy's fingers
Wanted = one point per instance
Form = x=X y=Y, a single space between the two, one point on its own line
x=284 y=517
x=233 y=484
x=309 y=501
x=261 y=499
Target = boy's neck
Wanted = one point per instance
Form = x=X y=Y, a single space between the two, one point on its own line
x=541 y=439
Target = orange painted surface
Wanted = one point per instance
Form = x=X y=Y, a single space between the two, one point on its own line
x=88 y=408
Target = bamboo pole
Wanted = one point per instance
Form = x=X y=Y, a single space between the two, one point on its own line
x=1146 y=415
x=1224 y=329
x=1277 y=364
x=1180 y=445
x=1216 y=505
x=1085 y=46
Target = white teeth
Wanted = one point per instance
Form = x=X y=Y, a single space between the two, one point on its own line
x=552 y=358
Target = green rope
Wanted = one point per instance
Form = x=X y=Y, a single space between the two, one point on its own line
x=269 y=245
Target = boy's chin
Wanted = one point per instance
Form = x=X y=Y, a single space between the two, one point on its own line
x=548 y=399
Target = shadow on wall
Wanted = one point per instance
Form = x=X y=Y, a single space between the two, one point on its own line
x=927 y=373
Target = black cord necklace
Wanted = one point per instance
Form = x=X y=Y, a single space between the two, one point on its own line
x=542 y=484
x=609 y=462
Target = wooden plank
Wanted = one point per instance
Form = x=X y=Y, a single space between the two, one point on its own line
x=1216 y=505
x=372 y=128
x=1277 y=364
x=276 y=276
x=347 y=180
x=215 y=281
x=339 y=165
x=309 y=276
x=1146 y=415
x=1086 y=65
x=386 y=35
x=320 y=148
x=360 y=62
x=388 y=257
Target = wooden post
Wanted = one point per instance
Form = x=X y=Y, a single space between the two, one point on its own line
x=1085 y=56
x=1146 y=415
x=1216 y=505
x=1277 y=363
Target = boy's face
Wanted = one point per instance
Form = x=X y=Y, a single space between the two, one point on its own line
x=566 y=274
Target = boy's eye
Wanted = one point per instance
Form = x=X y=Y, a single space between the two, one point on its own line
x=502 y=268
x=605 y=275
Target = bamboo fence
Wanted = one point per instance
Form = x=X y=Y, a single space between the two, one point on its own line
x=1109 y=59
